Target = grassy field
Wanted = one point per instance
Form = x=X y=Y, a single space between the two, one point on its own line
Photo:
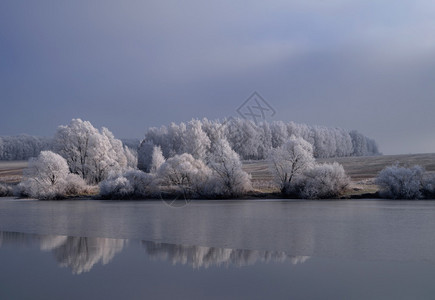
x=362 y=170
x=12 y=171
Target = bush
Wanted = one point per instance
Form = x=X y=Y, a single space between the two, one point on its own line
x=429 y=185
x=133 y=184
x=75 y=185
x=401 y=183
x=183 y=173
x=5 y=190
x=320 y=182
x=48 y=177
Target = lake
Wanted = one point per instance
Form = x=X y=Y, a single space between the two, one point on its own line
x=241 y=249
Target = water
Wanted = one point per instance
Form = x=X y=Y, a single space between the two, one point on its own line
x=363 y=249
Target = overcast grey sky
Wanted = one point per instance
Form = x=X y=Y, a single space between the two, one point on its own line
x=127 y=65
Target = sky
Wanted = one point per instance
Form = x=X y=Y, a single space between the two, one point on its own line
x=129 y=65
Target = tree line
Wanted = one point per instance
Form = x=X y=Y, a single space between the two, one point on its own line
x=195 y=160
x=23 y=147
x=254 y=141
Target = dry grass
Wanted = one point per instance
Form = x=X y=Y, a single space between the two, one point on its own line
x=12 y=171
x=362 y=170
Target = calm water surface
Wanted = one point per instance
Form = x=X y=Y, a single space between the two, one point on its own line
x=89 y=249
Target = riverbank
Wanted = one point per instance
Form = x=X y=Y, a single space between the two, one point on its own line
x=362 y=171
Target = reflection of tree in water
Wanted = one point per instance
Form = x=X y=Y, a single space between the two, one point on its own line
x=78 y=253
x=200 y=256
x=81 y=253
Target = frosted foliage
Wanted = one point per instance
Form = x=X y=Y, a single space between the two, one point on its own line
x=253 y=141
x=243 y=137
x=116 y=147
x=48 y=177
x=322 y=181
x=48 y=168
x=89 y=153
x=5 y=190
x=74 y=185
x=131 y=156
x=290 y=160
x=400 y=182
x=429 y=185
x=229 y=179
x=184 y=173
x=133 y=184
x=157 y=159
x=196 y=141
x=22 y=147
x=73 y=142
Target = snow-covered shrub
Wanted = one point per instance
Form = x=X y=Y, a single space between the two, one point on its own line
x=133 y=184
x=143 y=184
x=321 y=181
x=228 y=178
x=183 y=173
x=48 y=177
x=75 y=185
x=428 y=185
x=116 y=187
x=290 y=160
x=400 y=183
x=5 y=190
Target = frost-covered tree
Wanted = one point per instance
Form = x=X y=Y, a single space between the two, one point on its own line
x=48 y=177
x=196 y=141
x=23 y=147
x=279 y=133
x=47 y=169
x=265 y=140
x=175 y=140
x=116 y=148
x=73 y=142
x=400 y=183
x=290 y=160
x=321 y=181
x=183 y=173
x=243 y=137
x=229 y=179
x=145 y=156
x=253 y=141
x=131 y=156
x=215 y=130
x=89 y=153
x=157 y=159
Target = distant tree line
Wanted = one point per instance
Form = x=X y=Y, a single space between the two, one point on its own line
x=23 y=147
x=253 y=141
